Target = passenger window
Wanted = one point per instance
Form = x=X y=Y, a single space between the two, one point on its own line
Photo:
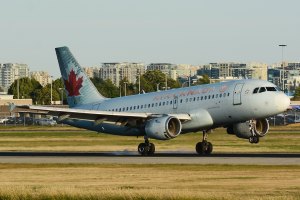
x=255 y=90
x=149 y=105
x=152 y=104
x=159 y=103
x=224 y=95
x=208 y=96
x=156 y=104
x=194 y=98
x=205 y=97
x=198 y=98
x=172 y=102
x=220 y=95
x=141 y=106
x=130 y=107
x=228 y=94
x=163 y=103
x=133 y=107
x=186 y=100
x=213 y=96
x=167 y=103
x=180 y=100
x=262 y=89
x=201 y=98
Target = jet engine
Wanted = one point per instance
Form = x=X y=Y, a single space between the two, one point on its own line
x=245 y=130
x=163 y=128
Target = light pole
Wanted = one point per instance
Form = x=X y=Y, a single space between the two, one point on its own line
x=18 y=87
x=166 y=82
x=51 y=91
x=125 y=88
x=282 y=46
x=157 y=87
x=62 y=95
x=139 y=76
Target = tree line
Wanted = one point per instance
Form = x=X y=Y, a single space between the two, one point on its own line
x=149 y=82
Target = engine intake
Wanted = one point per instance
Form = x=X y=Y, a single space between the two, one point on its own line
x=257 y=127
x=163 y=128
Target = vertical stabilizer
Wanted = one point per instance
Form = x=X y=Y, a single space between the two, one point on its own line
x=79 y=88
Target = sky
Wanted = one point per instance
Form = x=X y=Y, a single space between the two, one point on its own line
x=180 y=32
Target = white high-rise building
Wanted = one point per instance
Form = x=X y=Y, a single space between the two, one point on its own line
x=9 y=72
x=118 y=71
x=42 y=77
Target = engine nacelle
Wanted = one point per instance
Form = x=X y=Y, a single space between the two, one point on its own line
x=163 y=128
x=258 y=127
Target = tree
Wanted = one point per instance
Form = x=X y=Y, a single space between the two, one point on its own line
x=106 y=87
x=28 y=88
x=156 y=78
x=297 y=94
x=203 y=80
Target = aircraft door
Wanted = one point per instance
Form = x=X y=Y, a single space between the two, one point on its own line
x=237 y=99
x=175 y=102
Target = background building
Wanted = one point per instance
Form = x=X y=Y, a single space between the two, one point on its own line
x=118 y=71
x=9 y=72
x=174 y=71
x=42 y=77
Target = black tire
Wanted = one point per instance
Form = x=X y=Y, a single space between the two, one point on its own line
x=151 y=148
x=142 y=149
x=209 y=148
x=200 y=148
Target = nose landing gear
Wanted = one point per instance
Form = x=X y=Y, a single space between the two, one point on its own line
x=254 y=139
x=204 y=147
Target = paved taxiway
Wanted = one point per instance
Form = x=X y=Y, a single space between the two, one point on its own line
x=127 y=157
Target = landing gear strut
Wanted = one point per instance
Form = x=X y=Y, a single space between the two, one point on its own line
x=146 y=148
x=204 y=147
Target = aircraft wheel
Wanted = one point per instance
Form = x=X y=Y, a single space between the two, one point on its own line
x=209 y=148
x=151 y=148
x=143 y=149
x=204 y=148
x=254 y=140
x=146 y=149
x=200 y=148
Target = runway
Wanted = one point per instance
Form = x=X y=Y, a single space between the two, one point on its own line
x=128 y=157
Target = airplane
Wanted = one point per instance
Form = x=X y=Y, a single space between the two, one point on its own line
x=241 y=106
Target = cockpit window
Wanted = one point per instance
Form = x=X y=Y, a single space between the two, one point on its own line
x=255 y=90
x=271 y=89
x=262 y=89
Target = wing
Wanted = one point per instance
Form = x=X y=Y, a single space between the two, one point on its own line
x=99 y=116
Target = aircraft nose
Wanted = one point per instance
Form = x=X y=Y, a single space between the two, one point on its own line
x=282 y=102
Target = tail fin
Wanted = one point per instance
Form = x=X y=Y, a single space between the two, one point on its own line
x=79 y=88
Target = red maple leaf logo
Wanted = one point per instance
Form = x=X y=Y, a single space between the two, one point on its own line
x=73 y=85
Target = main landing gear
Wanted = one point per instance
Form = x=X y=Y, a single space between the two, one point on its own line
x=204 y=147
x=146 y=148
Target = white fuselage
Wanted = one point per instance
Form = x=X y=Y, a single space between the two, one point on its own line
x=209 y=106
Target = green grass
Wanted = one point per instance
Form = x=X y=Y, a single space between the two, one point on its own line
x=139 y=181
x=145 y=181
x=277 y=141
